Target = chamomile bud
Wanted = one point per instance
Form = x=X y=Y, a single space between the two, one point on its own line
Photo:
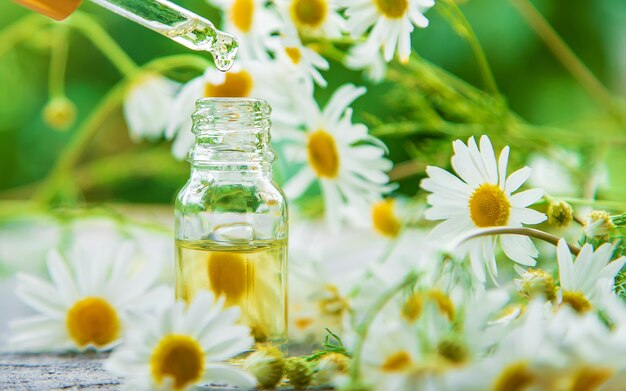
x=330 y=366
x=299 y=372
x=59 y=113
x=560 y=213
x=537 y=282
x=598 y=225
x=267 y=365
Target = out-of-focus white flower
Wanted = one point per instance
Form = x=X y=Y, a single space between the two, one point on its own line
x=553 y=173
x=301 y=60
x=521 y=359
x=148 y=105
x=323 y=269
x=154 y=247
x=392 y=22
x=320 y=18
x=25 y=242
x=392 y=358
x=256 y=79
x=369 y=58
x=88 y=303
x=181 y=347
x=585 y=281
x=558 y=172
x=481 y=197
x=347 y=163
x=252 y=22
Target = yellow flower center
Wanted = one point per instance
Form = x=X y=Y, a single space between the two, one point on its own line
x=236 y=85
x=332 y=303
x=515 y=377
x=577 y=301
x=303 y=323
x=323 y=154
x=392 y=8
x=412 y=308
x=590 y=379
x=294 y=54
x=178 y=357
x=242 y=13
x=384 y=218
x=309 y=13
x=445 y=305
x=92 y=321
x=489 y=206
x=228 y=275
x=397 y=362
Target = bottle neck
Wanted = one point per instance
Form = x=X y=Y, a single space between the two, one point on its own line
x=232 y=135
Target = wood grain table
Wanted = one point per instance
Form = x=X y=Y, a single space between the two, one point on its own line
x=22 y=371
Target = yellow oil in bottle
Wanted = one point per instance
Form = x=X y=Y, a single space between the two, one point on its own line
x=251 y=276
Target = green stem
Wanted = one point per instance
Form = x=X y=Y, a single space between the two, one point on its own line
x=468 y=33
x=569 y=59
x=24 y=28
x=68 y=158
x=88 y=128
x=92 y=30
x=58 y=62
x=363 y=329
x=530 y=232
x=611 y=205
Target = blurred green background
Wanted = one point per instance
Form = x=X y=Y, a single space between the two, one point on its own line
x=534 y=83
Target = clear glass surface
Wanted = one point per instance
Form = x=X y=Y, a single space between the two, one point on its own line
x=231 y=217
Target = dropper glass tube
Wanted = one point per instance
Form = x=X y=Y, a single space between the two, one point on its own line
x=162 y=16
x=179 y=24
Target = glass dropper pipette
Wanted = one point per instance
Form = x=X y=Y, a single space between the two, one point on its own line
x=162 y=16
x=179 y=24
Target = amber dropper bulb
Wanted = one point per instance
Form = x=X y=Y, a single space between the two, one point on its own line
x=162 y=16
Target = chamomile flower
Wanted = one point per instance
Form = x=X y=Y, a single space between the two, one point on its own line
x=480 y=197
x=392 y=22
x=346 y=162
x=524 y=358
x=585 y=281
x=147 y=106
x=323 y=269
x=246 y=79
x=319 y=18
x=303 y=61
x=252 y=22
x=181 y=347
x=392 y=358
x=367 y=57
x=87 y=303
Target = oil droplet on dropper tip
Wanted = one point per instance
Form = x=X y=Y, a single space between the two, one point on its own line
x=224 y=51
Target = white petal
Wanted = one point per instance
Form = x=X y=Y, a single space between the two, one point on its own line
x=227 y=373
x=517 y=179
x=489 y=159
x=526 y=198
x=566 y=265
x=502 y=163
x=528 y=216
x=514 y=248
x=299 y=183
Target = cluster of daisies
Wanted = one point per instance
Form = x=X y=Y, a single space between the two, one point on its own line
x=461 y=325
x=409 y=308
x=280 y=60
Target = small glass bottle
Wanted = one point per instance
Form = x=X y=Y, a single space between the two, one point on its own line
x=231 y=217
